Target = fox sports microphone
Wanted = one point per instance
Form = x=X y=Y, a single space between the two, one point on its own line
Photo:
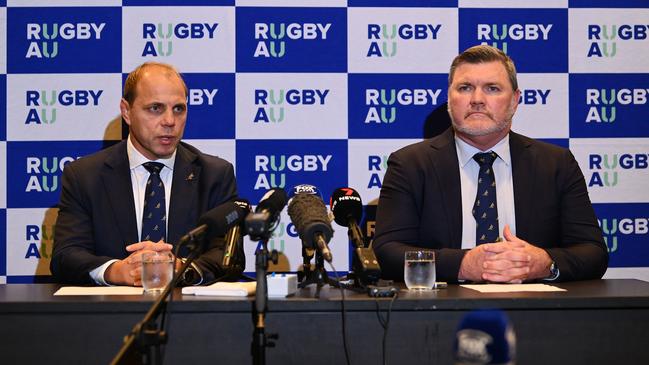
x=309 y=215
x=233 y=237
x=260 y=224
x=485 y=337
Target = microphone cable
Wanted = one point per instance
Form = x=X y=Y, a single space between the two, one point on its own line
x=385 y=323
x=343 y=312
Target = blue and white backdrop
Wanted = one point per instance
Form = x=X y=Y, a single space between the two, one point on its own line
x=320 y=92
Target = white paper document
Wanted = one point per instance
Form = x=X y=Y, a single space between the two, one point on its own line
x=223 y=289
x=512 y=288
x=99 y=290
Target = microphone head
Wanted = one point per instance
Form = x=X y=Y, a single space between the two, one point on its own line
x=485 y=337
x=273 y=201
x=305 y=189
x=346 y=203
x=221 y=218
x=309 y=215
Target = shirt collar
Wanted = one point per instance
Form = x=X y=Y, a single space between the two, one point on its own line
x=465 y=151
x=135 y=158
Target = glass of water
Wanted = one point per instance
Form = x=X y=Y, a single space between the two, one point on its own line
x=419 y=270
x=157 y=270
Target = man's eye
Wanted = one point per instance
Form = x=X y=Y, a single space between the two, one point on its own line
x=179 y=109
x=155 y=108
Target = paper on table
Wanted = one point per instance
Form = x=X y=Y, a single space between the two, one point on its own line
x=512 y=288
x=223 y=289
x=99 y=290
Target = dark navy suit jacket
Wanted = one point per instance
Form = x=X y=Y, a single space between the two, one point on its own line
x=420 y=206
x=96 y=219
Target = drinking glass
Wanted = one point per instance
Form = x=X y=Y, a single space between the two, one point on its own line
x=157 y=271
x=419 y=270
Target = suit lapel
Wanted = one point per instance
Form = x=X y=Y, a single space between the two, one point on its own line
x=444 y=160
x=523 y=175
x=184 y=194
x=116 y=177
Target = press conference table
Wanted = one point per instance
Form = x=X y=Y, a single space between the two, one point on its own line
x=594 y=322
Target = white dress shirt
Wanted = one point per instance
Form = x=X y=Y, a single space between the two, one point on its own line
x=469 y=170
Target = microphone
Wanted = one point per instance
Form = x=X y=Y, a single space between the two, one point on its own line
x=233 y=236
x=485 y=337
x=347 y=208
x=309 y=215
x=215 y=222
x=305 y=189
x=260 y=223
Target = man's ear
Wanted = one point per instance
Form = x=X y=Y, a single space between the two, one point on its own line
x=125 y=109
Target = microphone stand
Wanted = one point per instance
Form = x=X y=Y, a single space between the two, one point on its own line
x=316 y=276
x=260 y=340
x=142 y=344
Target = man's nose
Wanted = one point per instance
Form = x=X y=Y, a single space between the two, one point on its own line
x=168 y=118
x=477 y=96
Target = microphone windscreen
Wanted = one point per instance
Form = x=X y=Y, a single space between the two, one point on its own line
x=485 y=337
x=346 y=203
x=309 y=215
x=273 y=201
x=223 y=217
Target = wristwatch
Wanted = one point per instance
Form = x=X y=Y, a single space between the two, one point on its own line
x=554 y=271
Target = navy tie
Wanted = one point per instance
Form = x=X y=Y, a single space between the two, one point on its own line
x=154 y=219
x=485 y=208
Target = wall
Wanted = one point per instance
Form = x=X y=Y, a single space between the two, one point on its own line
x=318 y=92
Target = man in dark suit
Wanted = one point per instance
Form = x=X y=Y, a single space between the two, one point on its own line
x=517 y=211
x=100 y=231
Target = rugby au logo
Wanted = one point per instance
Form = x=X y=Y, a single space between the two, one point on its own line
x=603 y=102
x=44 y=173
x=604 y=37
x=381 y=102
x=271 y=169
x=271 y=36
x=159 y=37
x=604 y=167
x=271 y=102
x=45 y=37
x=42 y=104
x=384 y=36
x=613 y=227
x=498 y=36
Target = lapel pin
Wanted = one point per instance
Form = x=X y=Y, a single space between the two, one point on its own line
x=190 y=177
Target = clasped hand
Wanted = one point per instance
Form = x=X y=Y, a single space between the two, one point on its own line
x=129 y=270
x=510 y=261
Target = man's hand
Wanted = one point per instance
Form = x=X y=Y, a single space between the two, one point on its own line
x=511 y=261
x=129 y=270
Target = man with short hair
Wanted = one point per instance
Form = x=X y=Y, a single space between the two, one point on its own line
x=141 y=194
x=494 y=205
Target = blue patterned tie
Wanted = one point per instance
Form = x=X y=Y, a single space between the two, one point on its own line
x=154 y=219
x=485 y=208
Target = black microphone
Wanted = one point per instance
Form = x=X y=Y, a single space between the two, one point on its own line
x=347 y=208
x=214 y=223
x=261 y=223
x=233 y=237
x=485 y=337
x=309 y=215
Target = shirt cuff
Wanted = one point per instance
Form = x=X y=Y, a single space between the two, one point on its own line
x=97 y=275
